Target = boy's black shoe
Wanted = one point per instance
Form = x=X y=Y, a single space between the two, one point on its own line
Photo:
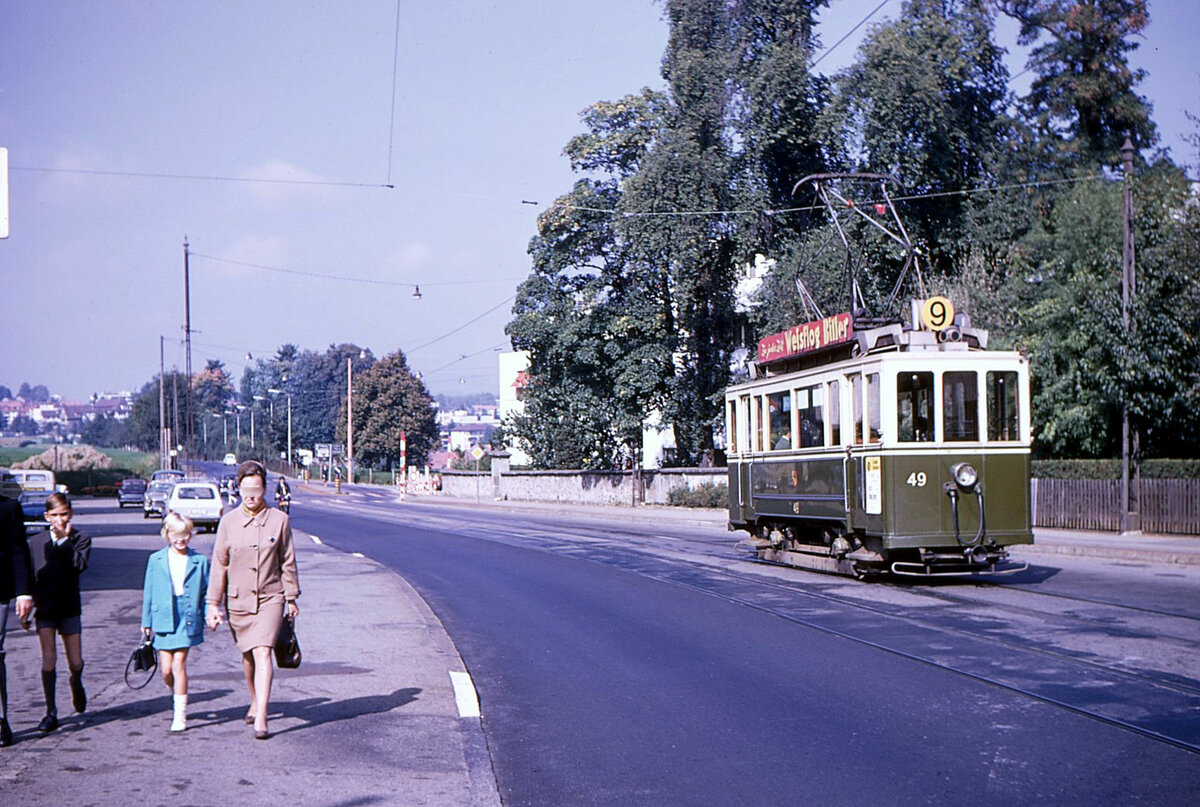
x=5 y=734
x=49 y=723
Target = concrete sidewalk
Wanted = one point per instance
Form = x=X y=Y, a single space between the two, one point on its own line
x=1146 y=548
x=370 y=717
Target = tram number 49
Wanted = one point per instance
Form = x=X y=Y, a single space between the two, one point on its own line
x=917 y=479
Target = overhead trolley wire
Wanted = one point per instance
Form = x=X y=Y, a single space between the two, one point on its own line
x=392 y=115
x=194 y=177
x=809 y=208
x=347 y=278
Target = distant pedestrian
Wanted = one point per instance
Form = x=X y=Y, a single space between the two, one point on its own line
x=16 y=581
x=254 y=574
x=60 y=554
x=173 y=607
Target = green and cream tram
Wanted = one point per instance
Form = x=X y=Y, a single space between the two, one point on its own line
x=887 y=449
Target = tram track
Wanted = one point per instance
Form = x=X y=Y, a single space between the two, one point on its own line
x=958 y=670
x=1037 y=672
x=1087 y=601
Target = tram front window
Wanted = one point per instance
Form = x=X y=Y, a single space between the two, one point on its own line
x=1003 y=407
x=960 y=402
x=780 y=406
x=914 y=407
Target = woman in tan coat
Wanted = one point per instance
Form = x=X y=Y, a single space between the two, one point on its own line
x=254 y=573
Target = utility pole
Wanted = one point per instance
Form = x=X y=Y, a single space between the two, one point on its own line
x=162 y=408
x=349 y=419
x=187 y=338
x=175 y=405
x=1131 y=517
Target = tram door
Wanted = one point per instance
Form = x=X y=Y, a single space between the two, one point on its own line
x=739 y=429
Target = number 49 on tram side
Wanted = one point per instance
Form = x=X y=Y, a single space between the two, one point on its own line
x=887 y=449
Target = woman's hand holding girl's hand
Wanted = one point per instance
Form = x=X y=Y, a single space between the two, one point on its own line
x=213 y=617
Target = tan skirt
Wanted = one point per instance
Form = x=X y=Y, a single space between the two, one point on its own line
x=257 y=630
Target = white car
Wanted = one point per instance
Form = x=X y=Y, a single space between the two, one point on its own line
x=199 y=501
x=230 y=459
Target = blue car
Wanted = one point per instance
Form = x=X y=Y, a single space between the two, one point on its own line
x=33 y=507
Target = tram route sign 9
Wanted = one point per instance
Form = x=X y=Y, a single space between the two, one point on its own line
x=937 y=313
x=3 y=192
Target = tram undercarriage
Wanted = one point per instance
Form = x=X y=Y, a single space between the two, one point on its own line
x=863 y=556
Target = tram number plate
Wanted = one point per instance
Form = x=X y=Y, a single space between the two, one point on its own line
x=873 y=487
x=917 y=479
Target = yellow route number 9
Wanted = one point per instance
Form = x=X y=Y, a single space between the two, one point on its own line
x=937 y=313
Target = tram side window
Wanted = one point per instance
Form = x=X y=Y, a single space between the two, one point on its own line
x=856 y=403
x=874 y=421
x=914 y=407
x=835 y=413
x=731 y=424
x=756 y=423
x=1004 y=422
x=810 y=406
x=960 y=402
x=780 y=437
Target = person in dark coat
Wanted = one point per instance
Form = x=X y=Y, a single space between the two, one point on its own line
x=16 y=581
x=59 y=555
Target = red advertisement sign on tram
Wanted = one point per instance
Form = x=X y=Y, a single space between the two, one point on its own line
x=801 y=339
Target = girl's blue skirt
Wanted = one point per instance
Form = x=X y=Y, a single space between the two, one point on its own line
x=189 y=629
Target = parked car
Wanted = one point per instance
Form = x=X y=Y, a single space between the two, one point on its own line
x=199 y=501
x=33 y=509
x=37 y=479
x=131 y=491
x=230 y=459
x=155 y=500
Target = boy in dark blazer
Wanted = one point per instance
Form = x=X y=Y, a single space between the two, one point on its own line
x=60 y=554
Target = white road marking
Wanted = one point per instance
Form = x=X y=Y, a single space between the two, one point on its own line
x=358 y=554
x=465 y=696
x=315 y=539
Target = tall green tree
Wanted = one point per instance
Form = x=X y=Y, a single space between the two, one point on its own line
x=390 y=401
x=142 y=425
x=1084 y=95
x=593 y=315
x=1087 y=366
x=924 y=101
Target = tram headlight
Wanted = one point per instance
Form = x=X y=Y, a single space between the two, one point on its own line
x=965 y=476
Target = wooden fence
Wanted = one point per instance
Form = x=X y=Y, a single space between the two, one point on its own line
x=1170 y=506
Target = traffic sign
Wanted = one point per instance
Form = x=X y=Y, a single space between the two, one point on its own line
x=477 y=452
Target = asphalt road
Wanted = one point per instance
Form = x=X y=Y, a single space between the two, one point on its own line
x=620 y=664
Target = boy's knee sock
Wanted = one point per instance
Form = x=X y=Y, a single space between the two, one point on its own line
x=3 y=689
x=78 y=696
x=48 y=678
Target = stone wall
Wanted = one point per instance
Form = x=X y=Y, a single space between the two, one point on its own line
x=583 y=487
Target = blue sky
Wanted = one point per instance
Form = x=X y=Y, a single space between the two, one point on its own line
x=180 y=101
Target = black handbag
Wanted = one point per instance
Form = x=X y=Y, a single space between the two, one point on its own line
x=143 y=661
x=287 y=646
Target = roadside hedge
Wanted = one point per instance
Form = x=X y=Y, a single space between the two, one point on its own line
x=706 y=494
x=1111 y=469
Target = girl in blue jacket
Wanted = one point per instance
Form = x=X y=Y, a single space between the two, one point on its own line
x=173 y=607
